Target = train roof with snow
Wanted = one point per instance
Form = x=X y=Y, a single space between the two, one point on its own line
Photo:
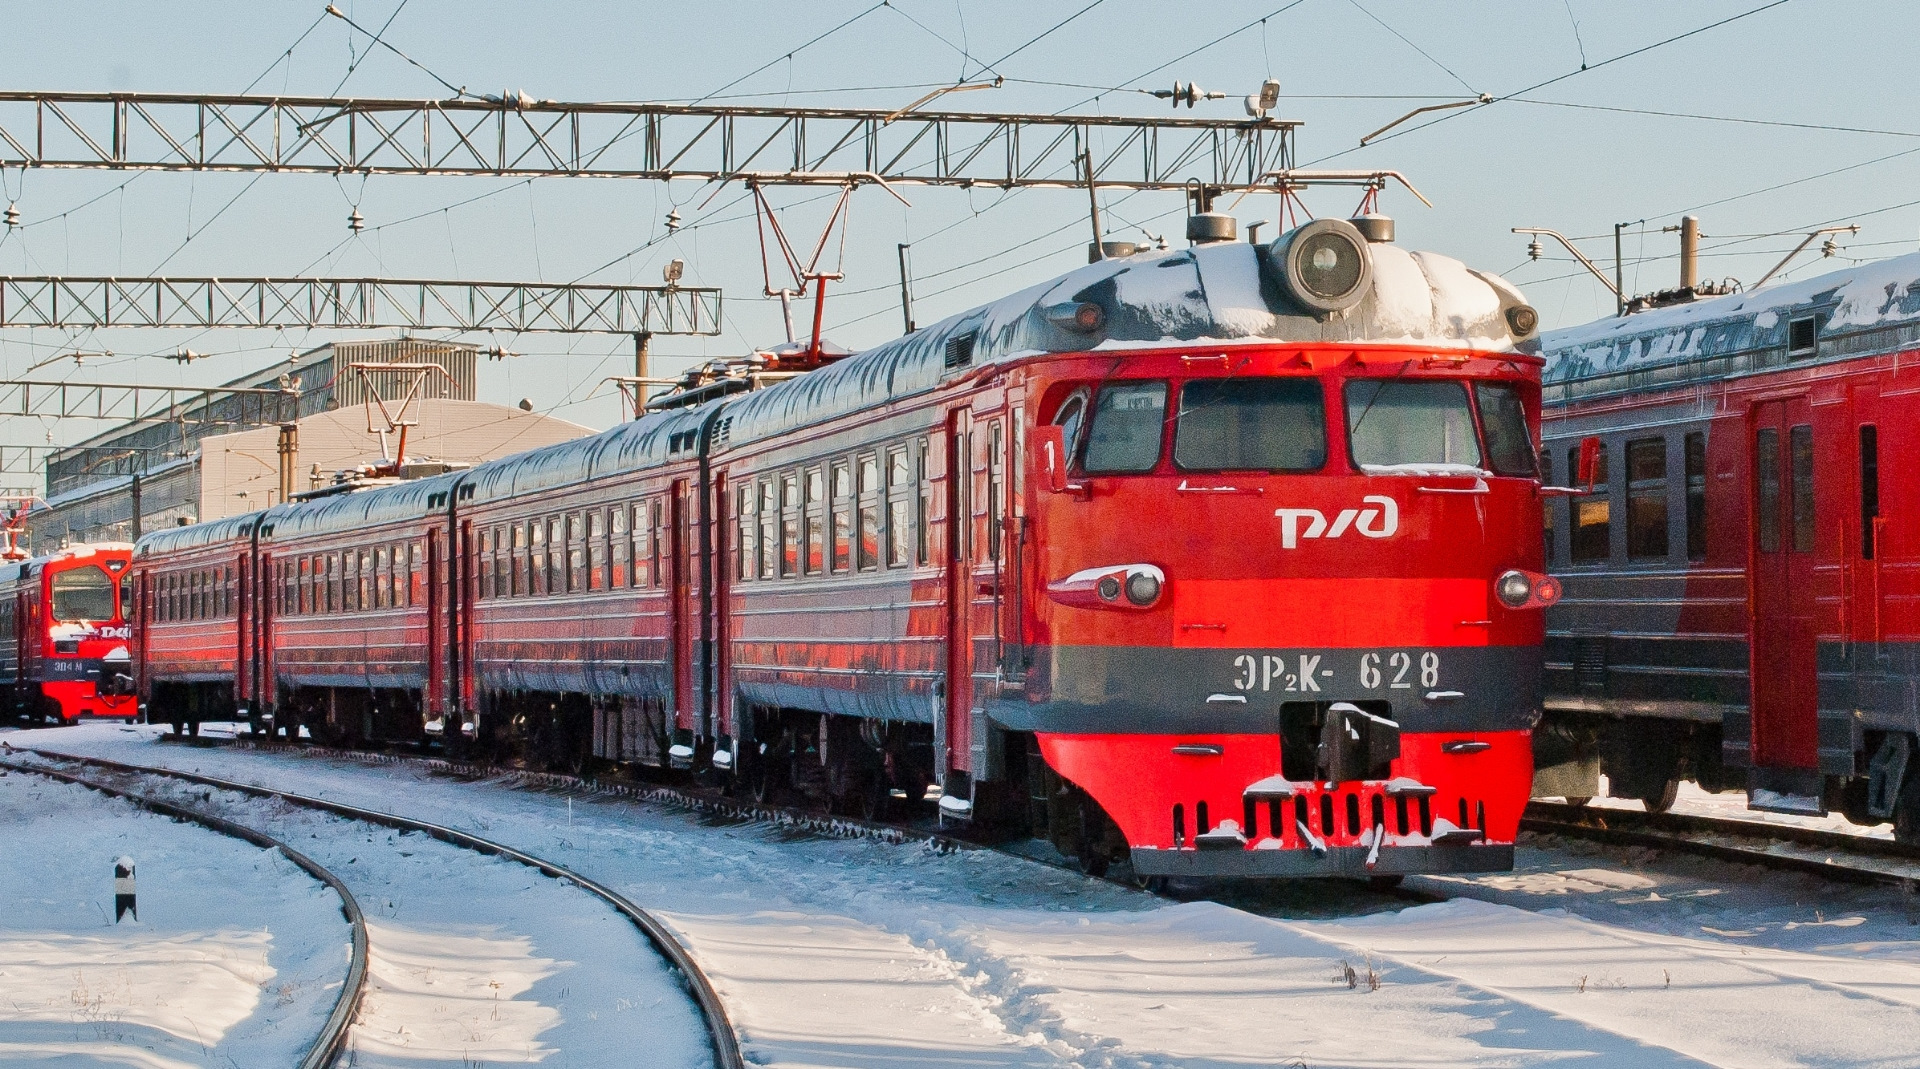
x=1866 y=308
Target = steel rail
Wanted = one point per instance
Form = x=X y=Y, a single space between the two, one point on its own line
x=1674 y=831
x=333 y=1035
x=726 y=1043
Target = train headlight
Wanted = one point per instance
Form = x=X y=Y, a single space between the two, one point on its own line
x=1514 y=589
x=1143 y=588
x=1324 y=265
x=1522 y=319
x=1108 y=588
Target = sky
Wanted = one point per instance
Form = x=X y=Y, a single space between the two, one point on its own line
x=1783 y=117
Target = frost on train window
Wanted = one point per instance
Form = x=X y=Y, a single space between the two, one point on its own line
x=83 y=593
x=1250 y=425
x=1423 y=424
x=1127 y=420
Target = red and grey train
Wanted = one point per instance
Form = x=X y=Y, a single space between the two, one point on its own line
x=64 y=636
x=1219 y=561
x=1740 y=585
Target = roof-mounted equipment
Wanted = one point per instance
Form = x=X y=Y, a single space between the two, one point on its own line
x=1324 y=265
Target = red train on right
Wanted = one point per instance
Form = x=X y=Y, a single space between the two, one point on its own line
x=1740 y=585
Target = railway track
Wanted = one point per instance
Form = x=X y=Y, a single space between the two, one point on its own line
x=333 y=1033
x=1831 y=855
x=721 y=1034
x=714 y=803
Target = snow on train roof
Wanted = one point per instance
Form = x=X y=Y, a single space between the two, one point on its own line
x=1213 y=294
x=173 y=539
x=354 y=511
x=1864 y=296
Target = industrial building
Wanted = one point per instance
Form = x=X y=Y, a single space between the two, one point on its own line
x=223 y=457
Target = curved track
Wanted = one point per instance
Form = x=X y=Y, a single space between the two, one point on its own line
x=333 y=1034
x=726 y=1044
x=1833 y=855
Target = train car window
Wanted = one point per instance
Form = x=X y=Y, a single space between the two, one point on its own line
x=516 y=560
x=197 y=596
x=662 y=542
x=922 y=553
x=350 y=588
x=1270 y=424
x=1800 y=446
x=1128 y=419
x=576 y=552
x=302 y=586
x=536 y=557
x=1503 y=419
x=642 y=574
x=996 y=487
x=842 y=516
x=414 y=582
x=1869 y=488
x=362 y=591
x=327 y=581
x=622 y=563
x=382 y=578
x=599 y=560
x=1071 y=418
x=1767 y=456
x=790 y=525
x=747 y=523
x=1647 y=499
x=899 y=490
x=1592 y=514
x=1392 y=422
x=869 y=489
x=815 y=557
x=769 y=515
x=1696 y=448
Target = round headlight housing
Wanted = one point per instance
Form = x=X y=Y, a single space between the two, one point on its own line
x=1108 y=588
x=1324 y=265
x=1522 y=320
x=1143 y=588
x=1513 y=588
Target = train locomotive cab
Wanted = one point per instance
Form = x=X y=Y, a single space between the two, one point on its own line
x=64 y=635
x=1286 y=616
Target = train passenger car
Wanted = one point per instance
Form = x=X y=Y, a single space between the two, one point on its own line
x=1738 y=605
x=64 y=634
x=193 y=611
x=1223 y=560
x=352 y=622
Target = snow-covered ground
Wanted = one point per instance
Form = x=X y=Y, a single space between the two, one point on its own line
x=475 y=960
x=856 y=953
x=236 y=957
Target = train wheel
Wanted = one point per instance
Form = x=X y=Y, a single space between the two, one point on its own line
x=1906 y=812
x=1663 y=801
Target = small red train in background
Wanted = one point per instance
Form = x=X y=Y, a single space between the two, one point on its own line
x=64 y=637
x=1217 y=561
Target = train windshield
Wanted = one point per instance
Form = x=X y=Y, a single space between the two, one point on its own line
x=1392 y=422
x=1250 y=425
x=1127 y=420
x=83 y=593
x=1504 y=419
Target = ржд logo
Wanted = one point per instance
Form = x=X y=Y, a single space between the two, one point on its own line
x=1370 y=522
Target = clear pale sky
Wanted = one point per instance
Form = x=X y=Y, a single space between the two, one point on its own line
x=1537 y=161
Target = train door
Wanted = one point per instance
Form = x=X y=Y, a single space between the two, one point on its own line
x=680 y=630
x=439 y=651
x=725 y=562
x=265 y=648
x=245 y=685
x=1784 y=682
x=137 y=618
x=951 y=731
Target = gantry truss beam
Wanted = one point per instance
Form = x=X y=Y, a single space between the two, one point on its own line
x=521 y=137
x=356 y=304
x=126 y=403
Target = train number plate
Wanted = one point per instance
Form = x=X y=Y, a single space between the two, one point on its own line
x=1343 y=672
